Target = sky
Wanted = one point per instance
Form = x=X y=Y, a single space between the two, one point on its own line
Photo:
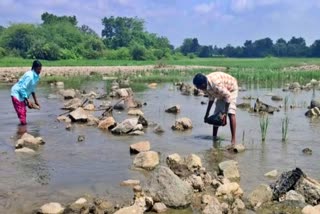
x=213 y=22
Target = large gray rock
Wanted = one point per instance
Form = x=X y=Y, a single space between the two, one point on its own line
x=125 y=126
x=142 y=146
x=79 y=115
x=260 y=195
x=168 y=188
x=124 y=92
x=107 y=123
x=182 y=124
x=310 y=189
x=146 y=160
x=68 y=93
x=294 y=196
x=315 y=103
x=51 y=208
x=229 y=169
x=72 y=104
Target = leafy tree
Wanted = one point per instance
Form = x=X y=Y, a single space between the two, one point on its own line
x=280 y=48
x=190 y=46
x=248 y=49
x=138 y=52
x=48 y=18
x=44 y=50
x=119 y=32
x=297 y=47
x=263 y=47
x=87 y=30
x=315 y=49
x=19 y=37
x=206 y=51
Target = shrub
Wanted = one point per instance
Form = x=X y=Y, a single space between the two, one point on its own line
x=2 y=52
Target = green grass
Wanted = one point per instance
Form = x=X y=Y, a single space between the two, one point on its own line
x=284 y=128
x=252 y=63
x=264 y=123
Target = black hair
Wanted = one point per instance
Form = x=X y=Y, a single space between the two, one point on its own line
x=36 y=64
x=199 y=79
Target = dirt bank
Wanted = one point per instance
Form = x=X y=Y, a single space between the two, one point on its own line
x=86 y=70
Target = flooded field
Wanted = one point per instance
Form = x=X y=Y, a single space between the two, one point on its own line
x=65 y=169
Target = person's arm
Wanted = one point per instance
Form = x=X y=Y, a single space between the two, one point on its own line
x=23 y=90
x=35 y=99
x=211 y=101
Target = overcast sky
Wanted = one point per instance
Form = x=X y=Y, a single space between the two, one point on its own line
x=213 y=22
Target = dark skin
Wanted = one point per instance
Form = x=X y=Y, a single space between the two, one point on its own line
x=28 y=103
x=232 y=118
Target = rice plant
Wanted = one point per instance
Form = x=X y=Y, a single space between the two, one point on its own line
x=284 y=130
x=286 y=99
x=264 y=123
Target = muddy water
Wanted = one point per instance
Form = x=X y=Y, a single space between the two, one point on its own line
x=64 y=169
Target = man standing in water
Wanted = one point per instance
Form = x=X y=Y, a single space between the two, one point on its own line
x=223 y=88
x=21 y=91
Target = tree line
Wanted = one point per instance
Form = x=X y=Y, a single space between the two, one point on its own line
x=125 y=38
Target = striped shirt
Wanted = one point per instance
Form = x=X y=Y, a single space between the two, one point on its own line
x=220 y=85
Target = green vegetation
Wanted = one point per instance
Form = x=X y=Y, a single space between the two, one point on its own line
x=284 y=128
x=264 y=123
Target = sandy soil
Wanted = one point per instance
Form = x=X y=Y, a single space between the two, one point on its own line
x=108 y=70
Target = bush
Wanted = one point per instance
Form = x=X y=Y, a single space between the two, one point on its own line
x=2 y=52
x=68 y=54
x=119 y=54
x=191 y=56
x=43 y=50
x=138 y=52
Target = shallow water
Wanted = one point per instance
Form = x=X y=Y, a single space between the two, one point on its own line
x=64 y=169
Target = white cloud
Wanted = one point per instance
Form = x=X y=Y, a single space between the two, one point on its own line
x=204 y=8
x=241 y=5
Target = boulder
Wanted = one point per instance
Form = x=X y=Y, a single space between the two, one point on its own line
x=72 y=104
x=193 y=162
x=168 y=188
x=64 y=119
x=210 y=205
x=146 y=160
x=51 y=208
x=182 y=124
x=263 y=107
x=79 y=206
x=315 y=103
x=135 y=112
x=134 y=209
x=68 y=93
x=260 y=195
x=142 y=120
x=89 y=107
x=29 y=141
x=158 y=129
x=119 y=106
x=124 y=92
x=309 y=188
x=229 y=169
x=159 y=207
x=272 y=174
x=25 y=150
x=313 y=112
x=142 y=146
x=92 y=120
x=294 y=196
x=107 y=123
x=125 y=126
x=229 y=189
x=79 y=115
x=239 y=148
x=174 y=109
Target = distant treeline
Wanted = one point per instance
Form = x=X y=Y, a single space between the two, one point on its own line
x=124 y=38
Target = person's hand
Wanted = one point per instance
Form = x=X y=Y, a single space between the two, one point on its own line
x=224 y=119
x=205 y=118
x=38 y=105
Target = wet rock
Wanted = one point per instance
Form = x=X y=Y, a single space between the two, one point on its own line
x=244 y=105
x=102 y=206
x=286 y=182
x=272 y=174
x=81 y=138
x=142 y=120
x=135 y=112
x=125 y=126
x=168 y=188
x=29 y=141
x=260 y=195
x=64 y=119
x=239 y=148
x=134 y=209
x=107 y=123
x=276 y=98
x=193 y=162
x=203 y=103
x=263 y=107
x=311 y=210
x=310 y=189
x=174 y=109
x=79 y=206
x=210 y=205
x=79 y=115
x=307 y=151
x=284 y=207
x=159 y=207
x=68 y=126
x=153 y=85
x=294 y=196
x=119 y=106
x=68 y=93
x=124 y=92
x=142 y=146
x=51 y=208
x=130 y=183
x=59 y=84
x=182 y=124
x=130 y=102
x=238 y=204
x=25 y=150
x=229 y=169
x=314 y=112
x=90 y=107
x=158 y=129
x=92 y=120
x=72 y=104
x=136 y=132
x=146 y=160
x=228 y=188
x=196 y=182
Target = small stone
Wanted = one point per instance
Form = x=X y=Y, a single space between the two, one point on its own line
x=52 y=208
x=272 y=174
x=159 y=207
x=307 y=151
x=130 y=183
x=81 y=138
